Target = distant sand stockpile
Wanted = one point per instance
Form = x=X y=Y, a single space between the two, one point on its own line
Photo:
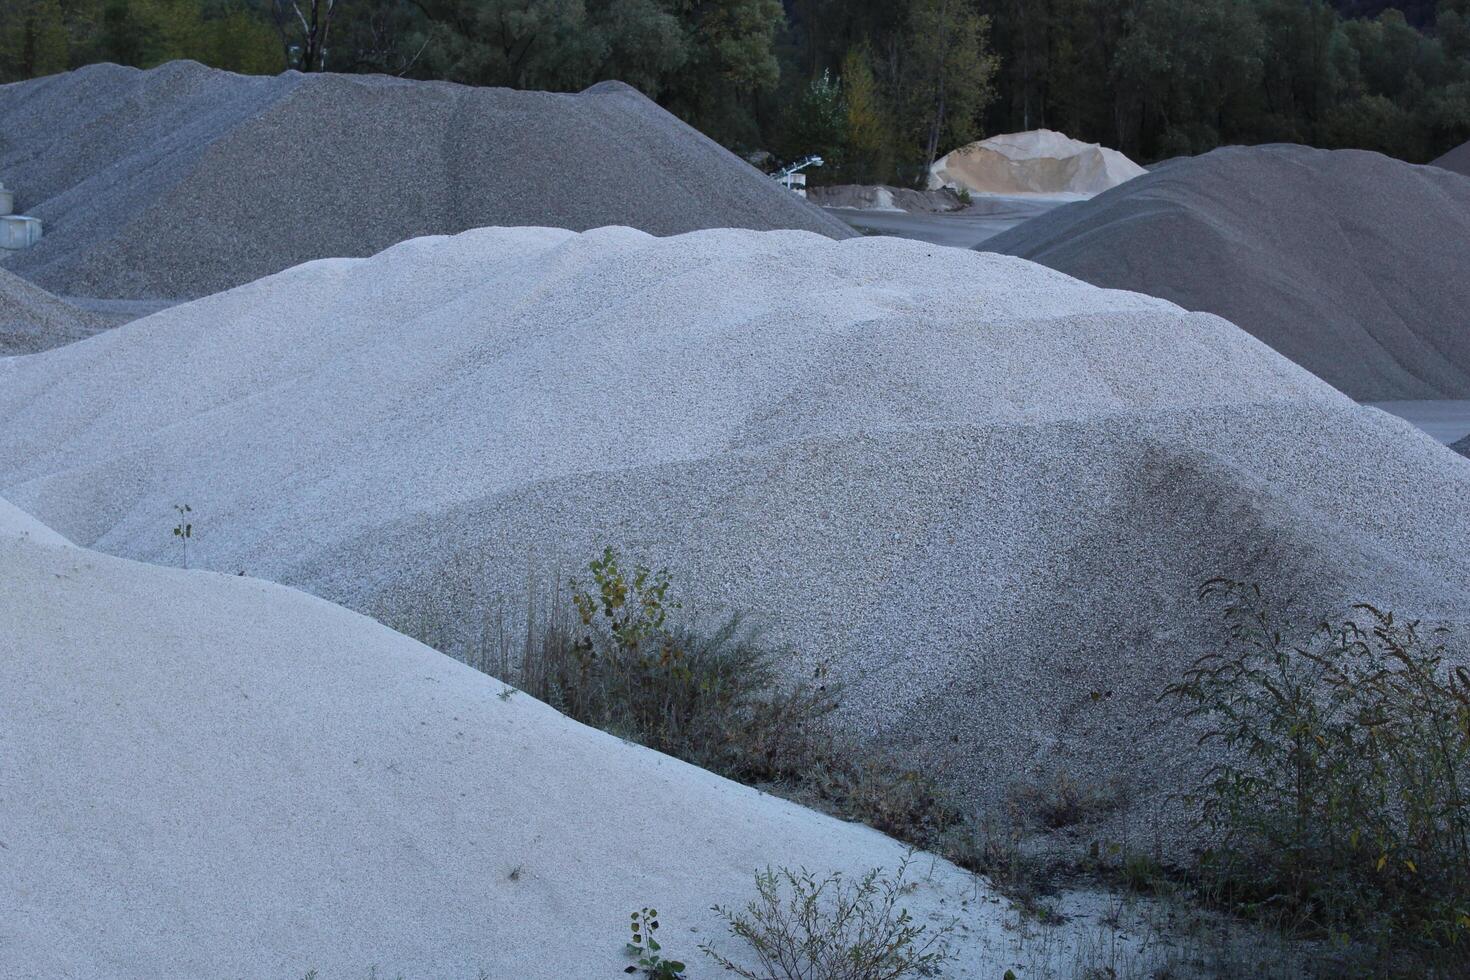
x=32 y=320
x=1457 y=160
x=984 y=493
x=182 y=180
x=1040 y=161
x=1350 y=263
x=213 y=776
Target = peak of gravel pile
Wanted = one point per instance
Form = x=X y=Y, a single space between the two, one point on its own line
x=213 y=776
x=1350 y=263
x=184 y=180
x=32 y=320
x=1457 y=160
x=1039 y=161
x=984 y=493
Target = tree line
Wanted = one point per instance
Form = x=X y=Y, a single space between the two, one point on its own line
x=879 y=88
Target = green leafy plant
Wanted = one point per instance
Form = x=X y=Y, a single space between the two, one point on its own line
x=1341 y=790
x=184 y=530
x=801 y=927
x=643 y=945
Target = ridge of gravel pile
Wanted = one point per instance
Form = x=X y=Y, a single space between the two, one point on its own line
x=208 y=775
x=1457 y=160
x=1350 y=263
x=983 y=493
x=183 y=180
x=32 y=320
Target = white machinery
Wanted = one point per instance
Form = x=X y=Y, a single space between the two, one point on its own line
x=792 y=177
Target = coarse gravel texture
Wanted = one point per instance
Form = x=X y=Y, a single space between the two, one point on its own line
x=983 y=493
x=1457 y=160
x=1350 y=263
x=32 y=320
x=184 y=180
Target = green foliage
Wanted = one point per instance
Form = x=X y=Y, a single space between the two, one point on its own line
x=643 y=945
x=800 y=926
x=950 y=72
x=1341 y=796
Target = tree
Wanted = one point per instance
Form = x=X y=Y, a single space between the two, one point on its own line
x=305 y=26
x=950 y=71
x=868 y=154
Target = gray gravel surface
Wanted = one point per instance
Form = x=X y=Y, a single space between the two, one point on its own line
x=980 y=222
x=1462 y=447
x=1457 y=160
x=1352 y=264
x=184 y=180
x=32 y=320
x=984 y=493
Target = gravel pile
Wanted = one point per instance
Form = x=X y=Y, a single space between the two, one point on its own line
x=881 y=197
x=32 y=320
x=1350 y=263
x=243 y=781
x=1457 y=160
x=1462 y=447
x=184 y=180
x=1039 y=161
x=983 y=492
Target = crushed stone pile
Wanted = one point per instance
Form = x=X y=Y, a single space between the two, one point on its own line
x=881 y=197
x=32 y=320
x=985 y=494
x=1350 y=263
x=1462 y=447
x=210 y=775
x=1457 y=160
x=1039 y=161
x=183 y=180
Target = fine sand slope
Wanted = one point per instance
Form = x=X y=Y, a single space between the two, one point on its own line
x=984 y=493
x=32 y=320
x=183 y=180
x=1350 y=263
x=214 y=776
x=1457 y=160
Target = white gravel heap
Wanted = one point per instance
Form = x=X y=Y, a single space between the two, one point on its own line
x=1352 y=264
x=32 y=320
x=213 y=776
x=985 y=493
x=183 y=180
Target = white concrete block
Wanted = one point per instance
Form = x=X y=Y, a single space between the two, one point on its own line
x=19 y=231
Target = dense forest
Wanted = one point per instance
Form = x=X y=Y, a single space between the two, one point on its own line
x=878 y=87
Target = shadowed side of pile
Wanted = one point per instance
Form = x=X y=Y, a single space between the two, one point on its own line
x=32 y=320
x=1350 y=263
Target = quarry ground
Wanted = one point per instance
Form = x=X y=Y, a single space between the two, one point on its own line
x=983 y=220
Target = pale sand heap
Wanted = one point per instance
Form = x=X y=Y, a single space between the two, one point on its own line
x=1457 y=160
x=32 y=320
x=984 y=493
x=1040 y=161
x=182 y=180
x=213 y=776
x=1352 y=264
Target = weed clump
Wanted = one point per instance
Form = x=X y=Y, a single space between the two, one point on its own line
x=800 y=926
x=1341 y=797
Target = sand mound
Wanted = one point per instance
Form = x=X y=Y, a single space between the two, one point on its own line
x=183 y=180
x=31 y=319
x=1457 y=160
x=1036 y=162
x=1350 y=263
x=880 y=197
x=983 y=492
x=209 y=775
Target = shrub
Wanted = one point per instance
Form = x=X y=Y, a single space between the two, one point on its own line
x=642 y=944
x=1341 y=797
x=802 y=928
